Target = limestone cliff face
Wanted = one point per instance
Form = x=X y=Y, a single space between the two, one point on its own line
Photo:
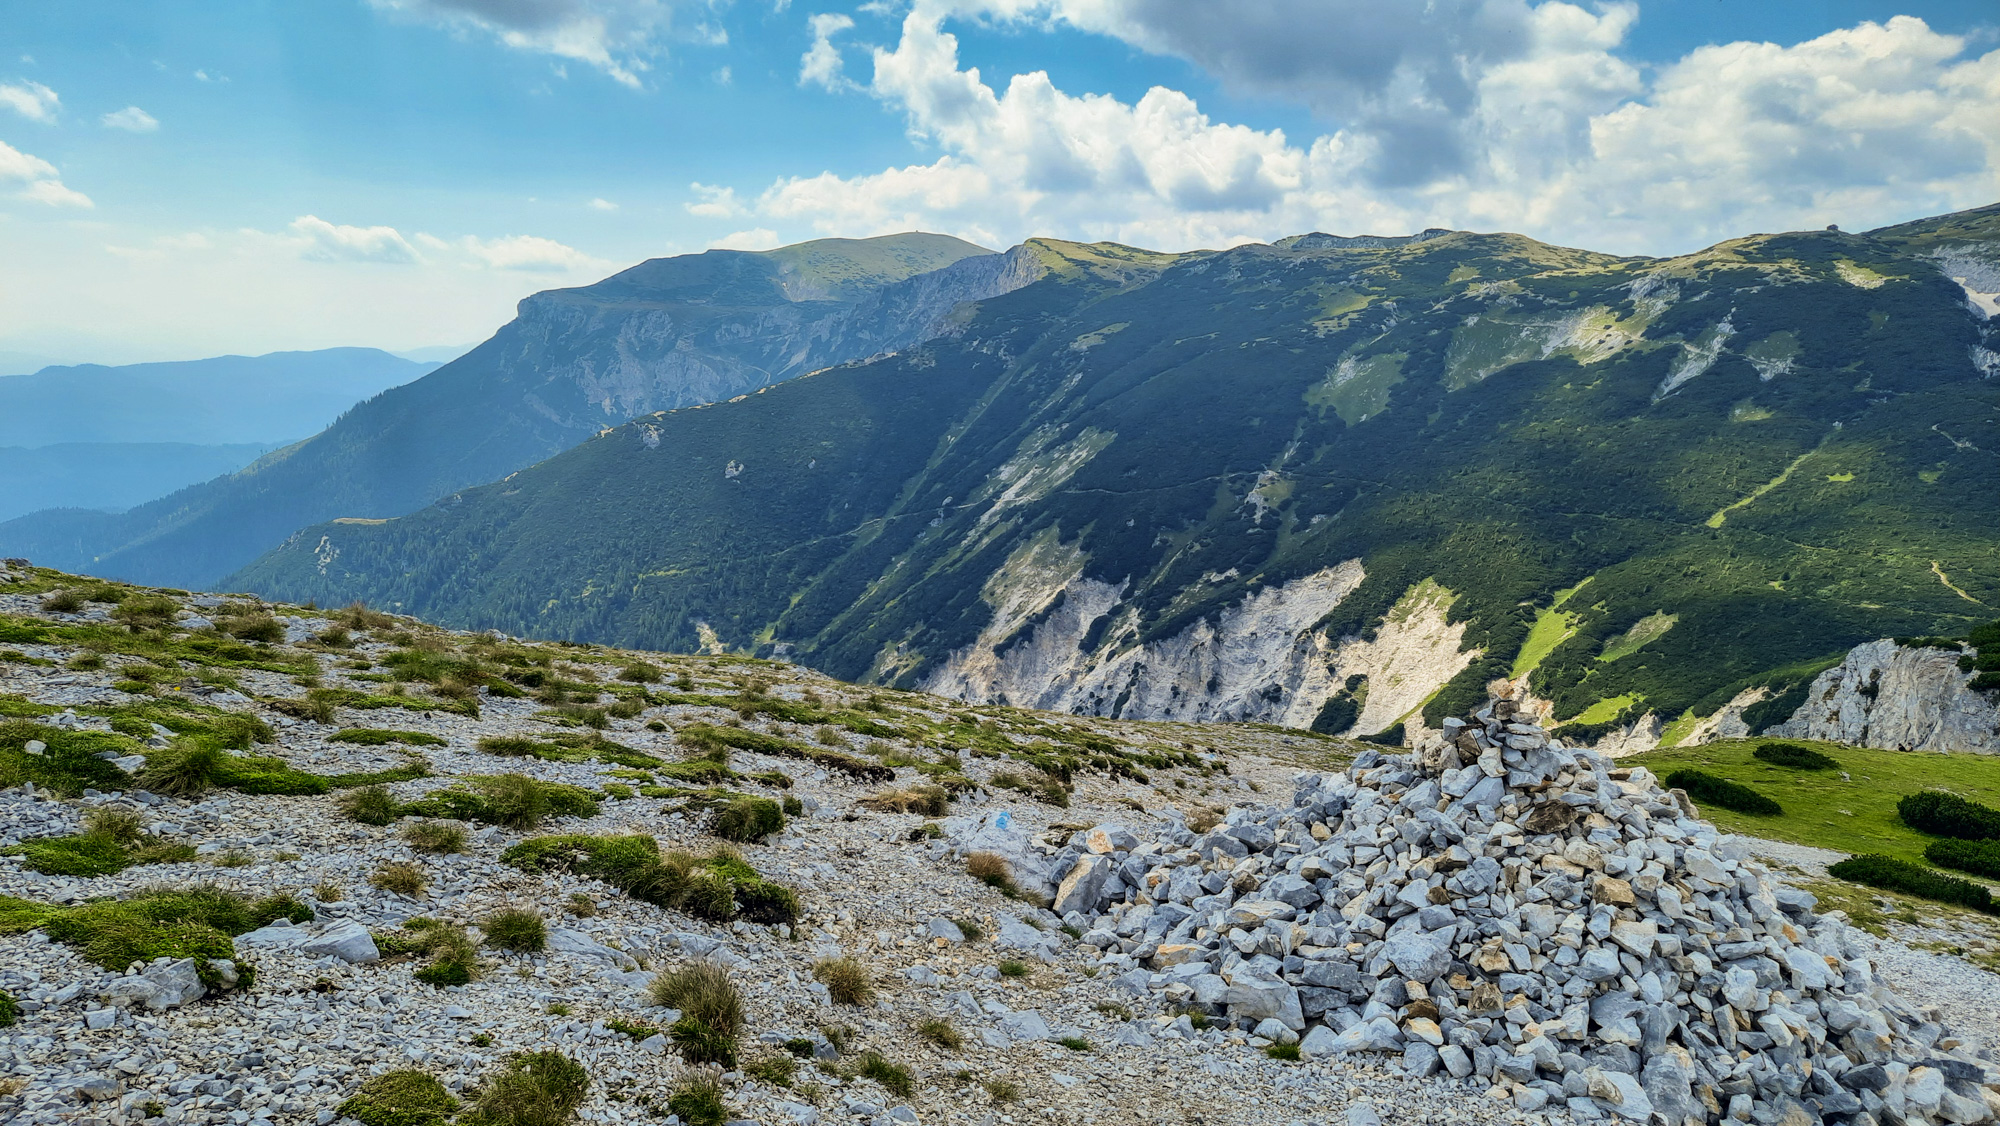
x=1262 y=660
x=588 y=361
x=1887 y=695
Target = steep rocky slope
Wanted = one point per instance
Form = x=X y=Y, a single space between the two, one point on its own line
x=350 y=786
x=666 y=333
x=1318 y=482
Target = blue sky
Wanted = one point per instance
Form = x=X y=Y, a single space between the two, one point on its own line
x=232 y=176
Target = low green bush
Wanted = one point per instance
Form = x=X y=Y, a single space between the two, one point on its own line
x=401 y=1098
x=1708 y=789
x=10 y=1009
x=1981 y=858
x=1948 y=815
x=1794 y=756
x=1891 y=874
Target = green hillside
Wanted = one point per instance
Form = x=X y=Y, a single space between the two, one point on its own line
x=1736 y=464
x=666 y=333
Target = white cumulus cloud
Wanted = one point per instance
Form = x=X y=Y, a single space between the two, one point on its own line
x=602 y=205
x=530 y=254
x=618 y=37
x=36 y=180
x=31 y=100
x=759 y=238
x=1545 y=128
x=821 y=64
x=322 y=241
x=716 y=202
x=132 y=119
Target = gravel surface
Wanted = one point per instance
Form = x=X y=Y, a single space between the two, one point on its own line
x=877 y=886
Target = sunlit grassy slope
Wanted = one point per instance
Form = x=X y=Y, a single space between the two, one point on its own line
x=1854 y=814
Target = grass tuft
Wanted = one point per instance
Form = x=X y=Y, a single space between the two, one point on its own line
x=942 y=1033
x=697 y=1099
x=711 y=1007
x=370 y=805
x=847 y=981
x=517 y=929
x=401 y=1098
x=542 y=1088
x=401 y=877
x=894 y=1078
x=748 y=819
x=437 y=837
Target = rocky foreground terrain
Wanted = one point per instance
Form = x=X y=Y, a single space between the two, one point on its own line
x=254 y=857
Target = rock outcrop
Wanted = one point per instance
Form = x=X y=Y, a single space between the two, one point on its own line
x=1527 y=918
x=1900 y=698
x=1063 y=642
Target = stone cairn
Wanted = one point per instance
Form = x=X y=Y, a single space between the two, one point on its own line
x=1532 y=920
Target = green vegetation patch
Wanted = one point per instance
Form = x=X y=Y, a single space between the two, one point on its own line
x=401 y=1098
x=1710 y=790
x=542 y=1088
x=378 y=736
x=719 y=887
x=192 y=922
x=111 y=842
x=704 y=736
x=513 y=800
x=68 y=765
x=452 y=957
x=1901 y=875
x=569 y=747
x=1853 y=814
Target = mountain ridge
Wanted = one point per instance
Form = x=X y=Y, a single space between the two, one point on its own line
x=1736 y=449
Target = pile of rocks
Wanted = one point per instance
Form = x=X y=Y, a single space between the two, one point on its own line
x=1530 y=919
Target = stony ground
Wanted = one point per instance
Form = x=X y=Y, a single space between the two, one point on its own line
x=1050 y=1039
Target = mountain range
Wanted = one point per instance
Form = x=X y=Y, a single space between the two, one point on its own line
x=1333 y=482
x=89 y=436
x=667 y=333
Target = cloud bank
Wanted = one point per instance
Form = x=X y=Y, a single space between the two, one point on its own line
x=1489 y=114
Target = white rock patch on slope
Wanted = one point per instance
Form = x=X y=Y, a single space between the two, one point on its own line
x=1414 y=652
x=1259 y=660
x=1886 y=695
